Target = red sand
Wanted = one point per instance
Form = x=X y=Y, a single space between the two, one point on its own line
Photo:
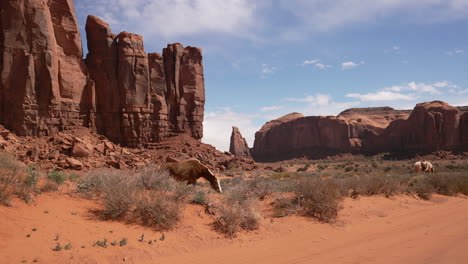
x=369 y=230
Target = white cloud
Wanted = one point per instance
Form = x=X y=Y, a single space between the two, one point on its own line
x=319 y=104
x=455 y=52
x=217 y=127
x=319 y=99
x=326 y=15
x=267 y=69
x=172 y=18
x=459 y=92
x=322 y=66
x=419 y=87
x=381 y=96
x=317 y=64
x=347 y=65
x=395 y=49
x=271 y=108
x=445 y=84
x=308 y=62
x=408 y=92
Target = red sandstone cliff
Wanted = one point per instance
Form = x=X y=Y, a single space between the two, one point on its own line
x=430 y=126
x=310 y=136
x=154 y=95
x=132 y=97
x=464 y=130
x=238 y=146
x=44 y=85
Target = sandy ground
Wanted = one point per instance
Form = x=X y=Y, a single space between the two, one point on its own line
x=369 y=230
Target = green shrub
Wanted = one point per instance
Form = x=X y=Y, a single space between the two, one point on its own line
x=32 y=177
x=451 y=166
x=200 y=198
x=101 y=243
x=449 y=184
x=67 y=246
x=57 y=247
x=374 y=184
x=322 y=166
x=57 y=177
x=284 y=175
x=305 y=168
x=420 y=186
x=123 y=242
x=10 y=177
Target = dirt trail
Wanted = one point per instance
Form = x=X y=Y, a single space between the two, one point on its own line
x=369 y=230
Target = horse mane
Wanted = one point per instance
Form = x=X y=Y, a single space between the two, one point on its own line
x=423 y=165
x=170 y=159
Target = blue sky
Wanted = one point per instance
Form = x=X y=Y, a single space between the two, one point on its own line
x=264 y=59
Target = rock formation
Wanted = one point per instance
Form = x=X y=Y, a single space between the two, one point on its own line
x=375 y=119
x=464 y=130
x=131 y=97
x=154 y=95
x=429 y=127
x=238 y=146
x=311 y=136
x=44 y=86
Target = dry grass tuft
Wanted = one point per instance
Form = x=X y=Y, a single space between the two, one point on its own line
x=14 y=180
x=239 y=212
x=150 y=196
x=319 y=198
x=159 y=211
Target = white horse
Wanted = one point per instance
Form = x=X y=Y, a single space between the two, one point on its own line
x=423 y=166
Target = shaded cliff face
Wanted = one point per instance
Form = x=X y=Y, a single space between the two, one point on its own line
x=132 y=97
x=429 y=127
x=311 y=136
x=464 y=130
x=44 y=85
x=238 y=146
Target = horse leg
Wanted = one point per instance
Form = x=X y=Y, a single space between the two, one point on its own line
x=192 y=182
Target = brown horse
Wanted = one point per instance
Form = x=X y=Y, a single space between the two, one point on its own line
x=191 y=170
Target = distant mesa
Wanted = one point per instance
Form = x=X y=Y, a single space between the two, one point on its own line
x=430 y=126
x=119 y=90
